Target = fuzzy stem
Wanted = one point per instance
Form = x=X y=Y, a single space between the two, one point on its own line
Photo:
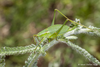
x=16 y=50
x=83 y=52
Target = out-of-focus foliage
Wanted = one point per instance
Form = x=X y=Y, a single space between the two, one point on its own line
x=20 y=19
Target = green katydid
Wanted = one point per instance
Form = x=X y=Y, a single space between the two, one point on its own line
x=54 y=31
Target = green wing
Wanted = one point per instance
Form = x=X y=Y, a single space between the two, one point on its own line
x=52 y=29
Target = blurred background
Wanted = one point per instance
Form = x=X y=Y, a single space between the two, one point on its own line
x=21 y=19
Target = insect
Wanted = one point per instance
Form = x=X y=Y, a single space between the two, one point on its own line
x=54 y=31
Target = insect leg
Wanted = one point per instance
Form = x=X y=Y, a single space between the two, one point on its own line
x=35 y=39
x=61 y=27
x=53 y=17
x=71 y=20
x=54 y=35
x=42 y=40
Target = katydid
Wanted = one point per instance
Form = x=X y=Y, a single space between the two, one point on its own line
x=54 y=31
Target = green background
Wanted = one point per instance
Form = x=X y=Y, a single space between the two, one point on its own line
x=21 y=19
